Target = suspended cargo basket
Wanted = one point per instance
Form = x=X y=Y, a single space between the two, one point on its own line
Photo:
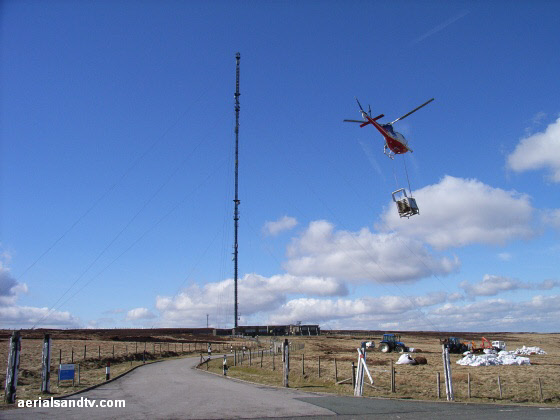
x=405 y=205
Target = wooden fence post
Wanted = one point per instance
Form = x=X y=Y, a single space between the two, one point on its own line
x=353 y=376
x=319 y=359
x=438 y=386
x=447 y=373
x=500 y=386
x=85 y=351
x=99 y=352
x=335 y=371
x=46 y=365
x=303 y=363
x=286 y=364
x=13 y=366
x=392 y=390
x=72 y=357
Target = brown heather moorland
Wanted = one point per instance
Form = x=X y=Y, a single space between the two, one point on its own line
x=520 y=384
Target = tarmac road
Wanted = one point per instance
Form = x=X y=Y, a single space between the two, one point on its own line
x=174 y=390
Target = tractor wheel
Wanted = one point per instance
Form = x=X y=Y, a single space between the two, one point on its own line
x=399 y=349
x=384 y=348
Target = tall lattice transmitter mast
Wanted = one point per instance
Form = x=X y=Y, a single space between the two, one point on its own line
x=236 y=199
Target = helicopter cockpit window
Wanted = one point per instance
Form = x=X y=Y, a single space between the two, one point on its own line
x=389 y=129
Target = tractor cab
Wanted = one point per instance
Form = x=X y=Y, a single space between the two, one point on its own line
x=454 y=340
x=392 y=342
x=405 y=205
x=455 y=345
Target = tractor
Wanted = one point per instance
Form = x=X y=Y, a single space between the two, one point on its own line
x=391 y=342
x=455 y=345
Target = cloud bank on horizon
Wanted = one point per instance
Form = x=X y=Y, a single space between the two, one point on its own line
x=323 y=264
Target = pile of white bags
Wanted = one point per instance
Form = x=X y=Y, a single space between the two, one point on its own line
x=405 y=359
x=529 y=350
x=492 y=359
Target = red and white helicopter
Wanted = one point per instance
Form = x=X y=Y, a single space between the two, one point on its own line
x=395 y=143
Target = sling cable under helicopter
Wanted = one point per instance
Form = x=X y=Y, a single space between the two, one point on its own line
x=395 y=144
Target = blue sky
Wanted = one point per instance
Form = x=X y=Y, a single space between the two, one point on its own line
x=117 y=164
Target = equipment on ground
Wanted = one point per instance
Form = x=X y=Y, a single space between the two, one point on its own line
x=455 y=345
x=498 y=345
x=485 y=345
x=391 y=342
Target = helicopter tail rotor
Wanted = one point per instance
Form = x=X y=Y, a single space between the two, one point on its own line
x=366 y=115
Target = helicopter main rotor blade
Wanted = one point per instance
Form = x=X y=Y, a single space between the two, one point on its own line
x=359 y=104
x=355 y=121
x=414 y=110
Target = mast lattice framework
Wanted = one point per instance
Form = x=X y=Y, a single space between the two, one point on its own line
x=236 y=200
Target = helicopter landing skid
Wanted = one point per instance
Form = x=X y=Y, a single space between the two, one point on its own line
x=390 y=154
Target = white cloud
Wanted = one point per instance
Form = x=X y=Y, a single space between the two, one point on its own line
x=350 y=312
x=14 y=316
x=362 y=256
x=27 y=317
x=539 y=151
x=505 y=256
x=458 y=212
x=540 y=313
x=10 y=289
x=493 y=285
x=551 y=218
x=257 y=294
x=139 y=313
x=432 y=312
x=280 y=225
